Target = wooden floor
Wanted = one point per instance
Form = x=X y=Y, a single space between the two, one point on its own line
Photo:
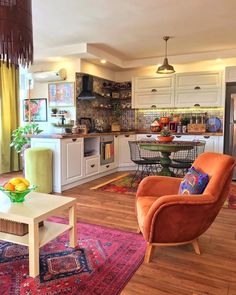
x=174 y=270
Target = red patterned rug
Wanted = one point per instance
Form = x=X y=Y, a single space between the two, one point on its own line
x=103 y=263
x=122 y=185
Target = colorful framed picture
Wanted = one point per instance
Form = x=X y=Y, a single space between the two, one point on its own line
x=61 y=94
x=37 y=108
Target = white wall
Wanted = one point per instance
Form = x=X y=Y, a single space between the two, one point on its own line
x=210 y=65
x=96 y=70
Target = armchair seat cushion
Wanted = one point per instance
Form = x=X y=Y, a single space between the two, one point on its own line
x=143 y=205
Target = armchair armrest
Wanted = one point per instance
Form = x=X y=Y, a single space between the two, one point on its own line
x=158 y=186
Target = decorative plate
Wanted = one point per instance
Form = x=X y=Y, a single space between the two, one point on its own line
x=213 y=124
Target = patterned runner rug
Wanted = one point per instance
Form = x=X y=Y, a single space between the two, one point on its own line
x=121 y=185
x=103 y=263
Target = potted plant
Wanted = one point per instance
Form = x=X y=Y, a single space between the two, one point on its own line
x=20 y=141
x=165 y=136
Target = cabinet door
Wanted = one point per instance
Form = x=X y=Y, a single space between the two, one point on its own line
x=220 y=144
x=202 y=88
x=72 y=160
x=152 y=84
x=202 y=80
x=153 y=100
x=124 y=151
x=201 y=97
x=211 y=143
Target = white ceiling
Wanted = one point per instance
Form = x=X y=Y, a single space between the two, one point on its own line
x=129 y=30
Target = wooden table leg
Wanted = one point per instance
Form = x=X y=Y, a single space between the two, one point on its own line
x=34 y=250
x=72 y=223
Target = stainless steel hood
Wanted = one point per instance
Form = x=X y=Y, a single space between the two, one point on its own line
x=87 y=88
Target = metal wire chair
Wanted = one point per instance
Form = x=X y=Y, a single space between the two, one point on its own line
x=182 y=160
x=148 y=162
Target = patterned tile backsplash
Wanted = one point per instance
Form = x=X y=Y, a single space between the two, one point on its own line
x=145 y=117
x=101 y=109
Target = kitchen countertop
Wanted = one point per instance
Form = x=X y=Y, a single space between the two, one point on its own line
x=70 y=135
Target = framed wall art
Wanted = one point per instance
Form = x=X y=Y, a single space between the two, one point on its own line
x=61 y=94
x=36 y=108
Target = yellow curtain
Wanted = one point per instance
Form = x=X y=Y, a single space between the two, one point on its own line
x=9 y=94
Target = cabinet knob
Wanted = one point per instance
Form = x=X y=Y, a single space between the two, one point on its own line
x=197 y=88
x=153 y=106
x=126 y=135
x=153 y=90
x=206 y=136
x=92 y=166
x=74 y=139
x=107 y=166
x=197 y=105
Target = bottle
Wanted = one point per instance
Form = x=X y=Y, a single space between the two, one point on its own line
x=179 y=128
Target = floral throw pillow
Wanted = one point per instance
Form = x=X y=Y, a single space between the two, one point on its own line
x=193 y=183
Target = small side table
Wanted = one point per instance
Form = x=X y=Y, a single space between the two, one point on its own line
x=38 y=207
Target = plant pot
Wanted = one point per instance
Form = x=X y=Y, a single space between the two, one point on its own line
x=165 y=138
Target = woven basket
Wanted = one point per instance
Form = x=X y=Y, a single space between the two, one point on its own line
x=15 y=228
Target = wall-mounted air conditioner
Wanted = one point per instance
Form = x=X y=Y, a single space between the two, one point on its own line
x=49 y=76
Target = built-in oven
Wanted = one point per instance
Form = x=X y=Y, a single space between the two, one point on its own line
x=106 y=149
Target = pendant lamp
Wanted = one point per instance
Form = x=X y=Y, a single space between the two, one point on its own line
x=16 y=33
x=165 y=68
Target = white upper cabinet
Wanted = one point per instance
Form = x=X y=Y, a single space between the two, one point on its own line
x=178 y=90
x=202 y=88
x=151 y=92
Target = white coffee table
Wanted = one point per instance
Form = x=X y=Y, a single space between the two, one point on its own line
x=38 y=207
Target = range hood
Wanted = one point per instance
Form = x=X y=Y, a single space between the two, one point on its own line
x=87 y=88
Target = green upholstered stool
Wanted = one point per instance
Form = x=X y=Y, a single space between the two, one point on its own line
x=38 y=168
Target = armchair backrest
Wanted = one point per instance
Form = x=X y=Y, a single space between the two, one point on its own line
x=220 y=169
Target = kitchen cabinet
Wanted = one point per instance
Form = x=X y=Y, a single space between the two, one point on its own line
x=178 y=90
x=72 y=160
x=201 y=88
x=213 y=143
x=124 y=151
x=151 y=92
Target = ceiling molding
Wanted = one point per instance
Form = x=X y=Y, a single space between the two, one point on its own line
x=90 y=51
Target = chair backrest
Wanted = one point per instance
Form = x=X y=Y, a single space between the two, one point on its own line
x=220 y=169
x=134 y=151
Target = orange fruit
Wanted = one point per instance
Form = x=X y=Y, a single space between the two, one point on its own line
x=15 y=181
x=9 y=186
x=21 y=187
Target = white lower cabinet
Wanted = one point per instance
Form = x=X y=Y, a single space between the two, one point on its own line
x=72 y=160
x=124 y=151
x=213 y=143
x=92 y=165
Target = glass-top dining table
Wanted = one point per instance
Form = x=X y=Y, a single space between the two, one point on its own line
x=166 y=149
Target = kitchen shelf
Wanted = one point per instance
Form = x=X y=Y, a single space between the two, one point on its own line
x=62 y=126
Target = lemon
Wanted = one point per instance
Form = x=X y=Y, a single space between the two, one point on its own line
x=21 y=187
x=25 y=181
x=15 y=181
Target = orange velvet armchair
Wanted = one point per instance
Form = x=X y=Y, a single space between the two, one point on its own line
x=166 y=218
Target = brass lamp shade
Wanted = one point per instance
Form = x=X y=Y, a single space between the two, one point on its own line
x=16 y=33
x=166 y=68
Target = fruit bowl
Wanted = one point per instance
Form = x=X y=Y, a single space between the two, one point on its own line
x=17 y=196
